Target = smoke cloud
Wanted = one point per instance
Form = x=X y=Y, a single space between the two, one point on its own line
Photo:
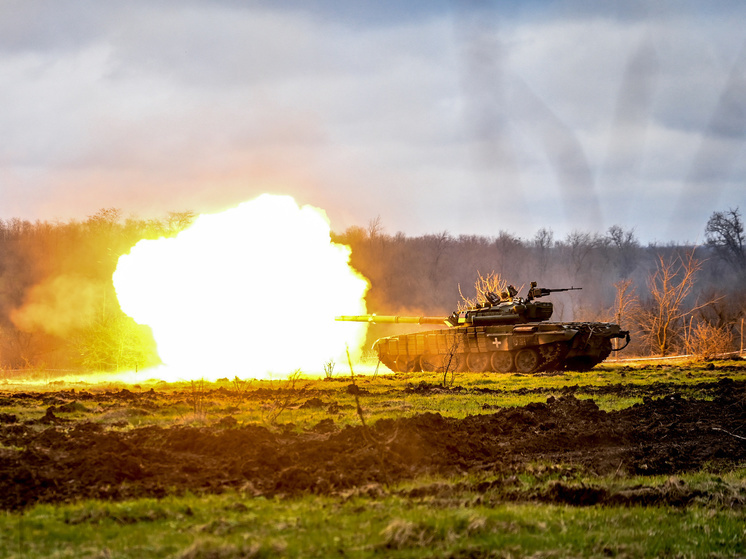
x=58 y=305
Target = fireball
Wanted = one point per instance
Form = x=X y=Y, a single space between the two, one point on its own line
x=251 y=292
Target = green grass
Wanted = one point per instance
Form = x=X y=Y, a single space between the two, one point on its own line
x=371 y=522
x=389 y=395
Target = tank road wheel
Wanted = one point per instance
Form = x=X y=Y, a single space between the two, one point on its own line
x=502 y=361
x=478 y=362
x=430 y=362
x=527 y=360
x=452 y=363
x=405 y=364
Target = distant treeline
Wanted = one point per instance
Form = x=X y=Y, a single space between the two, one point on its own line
x=58 y=308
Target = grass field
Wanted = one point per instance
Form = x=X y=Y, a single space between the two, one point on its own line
x=475 y=511
x=392 y=524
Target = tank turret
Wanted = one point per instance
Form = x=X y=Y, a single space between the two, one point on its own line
x=508 y=308
x=505 y=333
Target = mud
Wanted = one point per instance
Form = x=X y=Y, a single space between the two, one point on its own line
x=55 y=459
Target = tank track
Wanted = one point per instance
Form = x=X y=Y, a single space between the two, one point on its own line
x=525 y=361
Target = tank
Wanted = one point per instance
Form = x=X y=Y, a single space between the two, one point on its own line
x=504 y=334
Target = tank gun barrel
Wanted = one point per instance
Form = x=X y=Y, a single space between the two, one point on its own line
x=384 y=319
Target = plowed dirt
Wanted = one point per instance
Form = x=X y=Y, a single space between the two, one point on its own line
x=57 y=460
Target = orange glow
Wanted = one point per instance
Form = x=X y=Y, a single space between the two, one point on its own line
x=250 y=292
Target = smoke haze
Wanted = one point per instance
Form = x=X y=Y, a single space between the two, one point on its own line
x=58 y=305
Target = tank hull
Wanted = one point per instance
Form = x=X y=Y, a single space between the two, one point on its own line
x=525 y=348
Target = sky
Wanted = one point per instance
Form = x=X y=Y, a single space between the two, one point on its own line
x=470 y=117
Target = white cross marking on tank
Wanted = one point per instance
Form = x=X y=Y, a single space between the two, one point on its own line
x=496 y=341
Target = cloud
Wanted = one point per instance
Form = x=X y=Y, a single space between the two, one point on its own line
x=516 y=116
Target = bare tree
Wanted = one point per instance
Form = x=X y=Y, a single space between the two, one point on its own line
x=724 y=233
x=508 y=252
x=626 y=246
x=543 y=242
x=178 y=221
x=662 y=317
x=581 y=245
x=625 y=300
x=375 y=228
x=440 y=243
x=105 y=218
x=625 y=304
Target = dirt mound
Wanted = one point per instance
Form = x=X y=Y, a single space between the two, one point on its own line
x=57 y=461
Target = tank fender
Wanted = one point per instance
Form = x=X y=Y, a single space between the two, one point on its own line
x=518 y=339
x=565 y=335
